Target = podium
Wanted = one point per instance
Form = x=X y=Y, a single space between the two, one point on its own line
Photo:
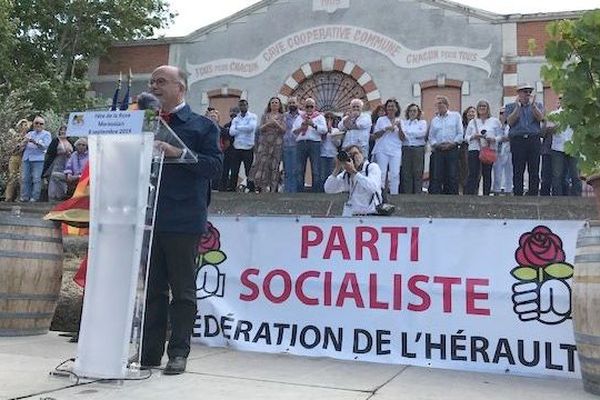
x=125 y=170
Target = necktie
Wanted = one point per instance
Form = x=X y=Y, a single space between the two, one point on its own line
x=166 y=116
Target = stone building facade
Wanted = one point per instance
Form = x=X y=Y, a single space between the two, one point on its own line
x=335 y=50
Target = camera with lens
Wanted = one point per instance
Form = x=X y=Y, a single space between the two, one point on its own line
x=343 y=156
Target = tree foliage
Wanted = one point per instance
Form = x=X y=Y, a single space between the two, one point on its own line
x=13 y=107
x=573 y=69
x=54 y=41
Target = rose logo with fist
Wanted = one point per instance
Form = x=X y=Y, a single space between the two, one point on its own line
x=209 y=280
x=542 y=292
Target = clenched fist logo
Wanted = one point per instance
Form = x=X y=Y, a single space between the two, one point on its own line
x=209 y=279
x=542 y=292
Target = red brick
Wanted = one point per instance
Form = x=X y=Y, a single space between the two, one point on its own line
x=369 y=87
x=286 y=90
x=338 y=65
x=509 y=68
x=316 y=66
x=299 y=76
x=357 y=72
x=141 y=59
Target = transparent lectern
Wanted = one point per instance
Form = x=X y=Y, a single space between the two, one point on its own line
x=125 y=174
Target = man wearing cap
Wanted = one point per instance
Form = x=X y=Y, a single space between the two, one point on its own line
x=524 y=117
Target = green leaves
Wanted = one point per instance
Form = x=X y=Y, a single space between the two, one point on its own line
x=559 y=270
x=556 y=270
x=213 y=257
x=47 y=45
x=573 y=70
x=524 y=273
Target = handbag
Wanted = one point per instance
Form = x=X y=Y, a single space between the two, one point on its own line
x=487 y=155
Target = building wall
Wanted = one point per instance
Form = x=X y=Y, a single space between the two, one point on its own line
x=411 y=23
x=415 y=24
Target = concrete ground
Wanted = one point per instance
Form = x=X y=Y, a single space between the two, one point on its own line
x=219 y=373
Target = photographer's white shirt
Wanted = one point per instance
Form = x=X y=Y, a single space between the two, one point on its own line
x=364 y=191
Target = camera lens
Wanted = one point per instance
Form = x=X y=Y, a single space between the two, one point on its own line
x=343 y=156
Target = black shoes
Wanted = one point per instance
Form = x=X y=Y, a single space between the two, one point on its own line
x=175 y=366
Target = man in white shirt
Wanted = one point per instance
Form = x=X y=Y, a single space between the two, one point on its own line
x=357 y=126
x=243 y=129
x=360 y=178
x=565 y=173
x=308 y=128
x=445 y=133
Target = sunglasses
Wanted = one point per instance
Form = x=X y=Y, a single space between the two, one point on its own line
x=38 y=123
x=309 y=106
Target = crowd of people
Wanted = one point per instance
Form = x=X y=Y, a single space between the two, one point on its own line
x=441 y=156
x=480 y=152
x=43 y=166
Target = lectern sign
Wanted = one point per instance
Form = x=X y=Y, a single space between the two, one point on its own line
x=105 y=123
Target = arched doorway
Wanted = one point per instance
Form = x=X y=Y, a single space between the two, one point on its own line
x=332 y=91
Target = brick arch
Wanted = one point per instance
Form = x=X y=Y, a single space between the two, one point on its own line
x=328 y=64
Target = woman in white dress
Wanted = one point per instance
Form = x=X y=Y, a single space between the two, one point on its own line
x=387 y=151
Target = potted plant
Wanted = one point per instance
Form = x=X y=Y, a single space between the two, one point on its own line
x=573 y=70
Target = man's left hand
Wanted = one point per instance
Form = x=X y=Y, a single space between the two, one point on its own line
x=169 y=150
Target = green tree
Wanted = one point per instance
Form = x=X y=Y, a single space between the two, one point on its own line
x=573 y=69
x=55 y=40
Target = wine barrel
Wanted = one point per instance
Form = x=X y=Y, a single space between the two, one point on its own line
x=31 y=256
x=586 y=305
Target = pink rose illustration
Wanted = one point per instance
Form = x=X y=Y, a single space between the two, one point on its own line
x=539 y=248
x=209 y=240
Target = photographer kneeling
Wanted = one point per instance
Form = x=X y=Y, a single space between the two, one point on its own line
x=360 y=178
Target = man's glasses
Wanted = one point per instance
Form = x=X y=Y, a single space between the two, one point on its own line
x=160 y=82
x=309 y=106
x=38 y=123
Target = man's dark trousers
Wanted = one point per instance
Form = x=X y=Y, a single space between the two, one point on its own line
x=446 y=171
x=526 y=153
x=172 y=263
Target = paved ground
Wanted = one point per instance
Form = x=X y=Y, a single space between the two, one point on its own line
x=216 y=373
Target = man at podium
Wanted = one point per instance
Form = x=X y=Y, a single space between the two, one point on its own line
x=180 y=220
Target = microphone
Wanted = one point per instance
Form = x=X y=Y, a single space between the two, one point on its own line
x=148 y=101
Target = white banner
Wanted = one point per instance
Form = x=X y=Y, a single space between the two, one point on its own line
x=486 y=295
x=400 y=55
x=105 y=123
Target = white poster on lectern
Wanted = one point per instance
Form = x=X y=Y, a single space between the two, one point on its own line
x=483 y=295
x=105 y=123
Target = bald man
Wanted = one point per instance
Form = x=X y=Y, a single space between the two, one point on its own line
x=180 y=220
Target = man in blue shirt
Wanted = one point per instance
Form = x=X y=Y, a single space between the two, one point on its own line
x=524 y=117
x=36 y=143
x=180 y=220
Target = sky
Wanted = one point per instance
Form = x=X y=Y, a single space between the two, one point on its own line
x=194 y=14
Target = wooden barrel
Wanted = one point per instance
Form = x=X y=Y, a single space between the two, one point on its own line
x=31 y=256
x=586 y=305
